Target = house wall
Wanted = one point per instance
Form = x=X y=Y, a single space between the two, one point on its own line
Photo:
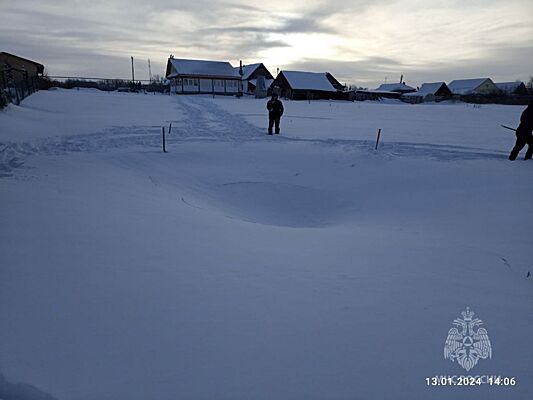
x=232 y=86
x=312 y=95
x=444 y=91
x=204 y=86
x=261 y=71
x=15 y=62
x=486 y=87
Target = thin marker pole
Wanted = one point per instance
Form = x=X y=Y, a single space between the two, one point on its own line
x=170 y=128
x=164 y=144
x=377 y=140
x=132 y=71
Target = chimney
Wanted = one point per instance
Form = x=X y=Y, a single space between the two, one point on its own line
x=241 y=73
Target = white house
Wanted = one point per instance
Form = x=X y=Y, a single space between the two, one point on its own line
x=473 y=86
x=200 y=76
x=251 y=72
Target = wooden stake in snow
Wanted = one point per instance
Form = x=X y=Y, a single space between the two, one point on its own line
x=164 y=144
x=377 y=140
x=170 y=128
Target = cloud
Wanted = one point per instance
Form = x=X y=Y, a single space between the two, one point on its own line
x=359 y=41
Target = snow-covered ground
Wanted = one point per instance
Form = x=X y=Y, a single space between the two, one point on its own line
x=246 y=266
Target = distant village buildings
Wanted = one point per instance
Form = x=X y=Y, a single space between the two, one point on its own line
x=19 y=77
x=220 y=77
x=472 y=90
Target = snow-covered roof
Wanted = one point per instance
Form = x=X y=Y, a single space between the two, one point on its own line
x=376 y=91
x=426 y=89
x=395 y=87
x=466 y=86
x=508 y=87
x=247 y=70
x=299 y=80
x=219 y=69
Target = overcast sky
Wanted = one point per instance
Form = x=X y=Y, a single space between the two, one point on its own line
x=359 y=41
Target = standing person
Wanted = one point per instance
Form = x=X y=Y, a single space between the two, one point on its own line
x=275 y=111
x=524 y=134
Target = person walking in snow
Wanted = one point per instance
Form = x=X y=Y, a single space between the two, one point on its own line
x=524 y=134
x=275 y=111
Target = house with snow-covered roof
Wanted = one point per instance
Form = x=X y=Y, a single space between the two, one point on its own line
x=434 y=91
x=512 y=88
x=399 y=87
x=202 y=76
x=300 y=85
x=482 y=86
x=250 y=74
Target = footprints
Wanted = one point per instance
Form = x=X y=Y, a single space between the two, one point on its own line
x=205 y=120
x=13 y=154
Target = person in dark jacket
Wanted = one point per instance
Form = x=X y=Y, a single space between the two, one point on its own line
x=524 y=134
x=275 y=111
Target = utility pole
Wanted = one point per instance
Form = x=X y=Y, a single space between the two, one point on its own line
x=149 y=71
x=132 y=71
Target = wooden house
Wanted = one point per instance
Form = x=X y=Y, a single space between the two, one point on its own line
x=366 y=94
x=516 y=88
x=20 y=68
x=19 y=77
x=250 y=73
x=435 y=91
x=201 y=76
x=335 y=83
x=399 y=87
x=477 y=86
x=298 y=85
